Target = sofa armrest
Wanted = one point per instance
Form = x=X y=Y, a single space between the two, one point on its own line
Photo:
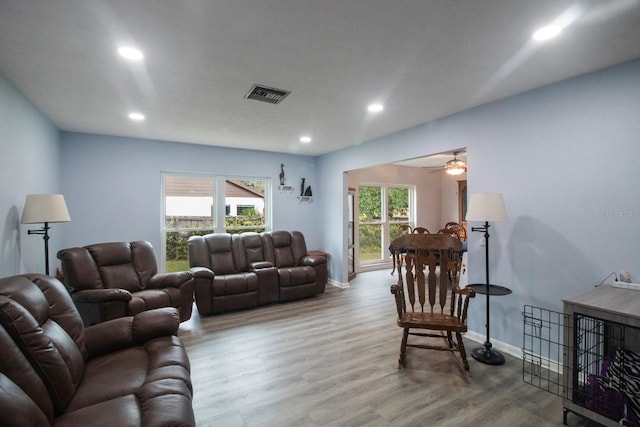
x=116 y=334
x=170 y=280
x=99 y=296
x=202 y=273
x=313 y=260
x=260 y=265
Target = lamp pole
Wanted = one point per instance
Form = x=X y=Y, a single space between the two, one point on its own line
x=486 y=354
x=487 y=207
x=45 y=235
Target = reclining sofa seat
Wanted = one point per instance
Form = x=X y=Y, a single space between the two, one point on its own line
x=131 y=371
x=111 y=280
x=224 y=281
x=299 y=274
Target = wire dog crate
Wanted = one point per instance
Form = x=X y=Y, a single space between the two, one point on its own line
x=587 y=357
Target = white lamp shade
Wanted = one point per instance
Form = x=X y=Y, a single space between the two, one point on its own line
x=45 y=208
x=486 y=207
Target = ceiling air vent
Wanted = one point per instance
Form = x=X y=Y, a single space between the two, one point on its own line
x=267 y=94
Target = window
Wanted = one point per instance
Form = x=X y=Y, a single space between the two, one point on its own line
x=246 y=200
x=198 y=205
x=398 y=212
x=370 y=223
x=382 y=209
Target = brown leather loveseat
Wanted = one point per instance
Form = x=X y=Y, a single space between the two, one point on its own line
x=131 y=371
x=238 y=271
x=111 y=280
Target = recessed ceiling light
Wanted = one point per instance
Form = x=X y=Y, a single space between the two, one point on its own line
x=131 y=53
x=136 y=117
x=557 y=26
x=305 y=139
x=547 y=33
x=375 y=108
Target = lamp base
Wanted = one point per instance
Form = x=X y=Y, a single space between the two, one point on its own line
x=488 y=356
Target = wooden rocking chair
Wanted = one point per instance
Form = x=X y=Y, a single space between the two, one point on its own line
x=426 y=300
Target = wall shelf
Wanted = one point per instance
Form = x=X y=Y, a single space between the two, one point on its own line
x=305 y=198
x=285 y=188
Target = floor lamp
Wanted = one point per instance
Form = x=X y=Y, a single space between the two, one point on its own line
x=487 y=207
x=44 y=208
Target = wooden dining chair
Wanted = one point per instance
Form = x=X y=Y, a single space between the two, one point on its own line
x=459 y=232
x=455 y=229
x=421 y=230
x=429 y=304
x=402 y=229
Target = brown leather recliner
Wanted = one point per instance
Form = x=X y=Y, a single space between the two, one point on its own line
x=131 y=371
x=224 y=280
x=300 y=275
x=111 y=280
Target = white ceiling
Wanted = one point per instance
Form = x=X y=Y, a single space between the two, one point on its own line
x=424 y=59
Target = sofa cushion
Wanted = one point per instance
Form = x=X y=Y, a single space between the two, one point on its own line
x=155 y=298
x=220 y=253
x=253 y=247
x=134 y=370
x=114 y=261
x=294 y=276
x=234 y=284
x=110 y=376
x=282 y=249
x=144 y=261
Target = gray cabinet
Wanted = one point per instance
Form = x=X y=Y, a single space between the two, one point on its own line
x=601 y=325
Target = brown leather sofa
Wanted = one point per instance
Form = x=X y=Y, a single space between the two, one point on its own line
x=111 y=280
x=239 y=271
x=131 y=371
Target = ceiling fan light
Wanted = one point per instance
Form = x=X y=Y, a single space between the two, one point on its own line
x=455 y=167
x=459 y=170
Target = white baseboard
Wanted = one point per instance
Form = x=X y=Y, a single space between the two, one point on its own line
x=338 y=284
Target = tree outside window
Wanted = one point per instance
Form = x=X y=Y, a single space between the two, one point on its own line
x=382 y=209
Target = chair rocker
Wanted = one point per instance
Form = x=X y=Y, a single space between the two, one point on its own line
x=428 y=302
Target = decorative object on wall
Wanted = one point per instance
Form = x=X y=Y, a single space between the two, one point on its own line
x=282 y=174
x=44 y=208
x=487 y=207
x=307 y=192
x=302 y=187
x=455 y=166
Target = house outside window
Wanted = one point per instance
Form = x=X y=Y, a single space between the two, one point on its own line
x=198 y=205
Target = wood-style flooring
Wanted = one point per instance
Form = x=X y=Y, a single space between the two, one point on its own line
x=332 y=360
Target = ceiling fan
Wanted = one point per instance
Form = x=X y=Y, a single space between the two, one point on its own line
x=439 y=162
x=455 y=166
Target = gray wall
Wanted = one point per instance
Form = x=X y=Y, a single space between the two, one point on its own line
x=565 y=158
x=113 y=185
x=29 y=164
